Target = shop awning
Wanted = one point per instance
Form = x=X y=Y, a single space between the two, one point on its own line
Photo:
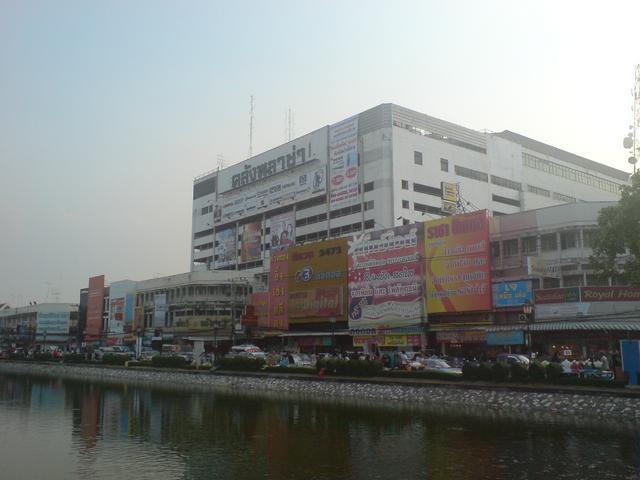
x=313 y=334
x=588 y=325
x=598 y=325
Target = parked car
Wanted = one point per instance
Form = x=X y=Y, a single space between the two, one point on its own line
x=512 y=358
x=441 y=366
x=246 y=350
x=147 y=353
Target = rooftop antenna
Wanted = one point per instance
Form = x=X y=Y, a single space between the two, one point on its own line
x=251 y=127
x=289 y=122
x=631 y=141
x=220 y=159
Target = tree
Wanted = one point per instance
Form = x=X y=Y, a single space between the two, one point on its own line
x=616 y=246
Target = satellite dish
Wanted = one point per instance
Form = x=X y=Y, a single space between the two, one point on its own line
x=633 y=160
x=627 y=142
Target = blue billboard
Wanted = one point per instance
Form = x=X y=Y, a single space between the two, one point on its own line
x=512 y=294
x=515 y=337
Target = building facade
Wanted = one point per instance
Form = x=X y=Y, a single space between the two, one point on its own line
x=381 y=168
x=40 y=324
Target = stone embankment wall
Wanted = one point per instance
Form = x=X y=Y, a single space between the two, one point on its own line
x=608 y=410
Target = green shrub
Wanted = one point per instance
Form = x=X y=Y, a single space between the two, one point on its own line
x=500 y=372
x=43 y=357
x=74 y=358
x=244 y=364
x=173 y=361
x=537 y=372
x=519 y=373
x=591 y=382
x=554 y=372
x=419 y=374
x=471 y=371
x=357 y=368
x=485 y=372
x=114 y=359
x=278 y=369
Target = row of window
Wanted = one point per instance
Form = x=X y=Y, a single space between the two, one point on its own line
x=311 y=220
x=191 y=291
x=207 y=209
x=548 y=193
x=505 y=182
x=572 y=174
x=342 y=212
x=470 y=173
x=548 y=243
x=417 y=160
x=505 y=200
x=345 y=229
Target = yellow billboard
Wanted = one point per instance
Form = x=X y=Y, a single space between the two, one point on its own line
x=458 y=263
x=318 y=281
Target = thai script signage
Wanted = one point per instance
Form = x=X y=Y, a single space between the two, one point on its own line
x=343 y=164
x=385 y=277
x=308 y=148
x=317 y=281
x=458 y=263
x=512 y=294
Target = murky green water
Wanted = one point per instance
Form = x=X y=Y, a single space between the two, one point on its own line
x=51 y=429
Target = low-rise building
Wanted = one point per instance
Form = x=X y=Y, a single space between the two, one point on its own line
x=39 y=324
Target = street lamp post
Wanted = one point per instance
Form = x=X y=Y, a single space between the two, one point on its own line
x=216 y=326
x=332 y=321
x=138 y=342
x=44 y=343
x=527 y=308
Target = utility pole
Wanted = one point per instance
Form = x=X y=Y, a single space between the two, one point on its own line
x=631 y=141
x=250 y=127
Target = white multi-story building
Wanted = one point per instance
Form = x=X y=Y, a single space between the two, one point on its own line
x=383 y=167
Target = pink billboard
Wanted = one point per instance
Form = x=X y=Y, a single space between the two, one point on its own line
x=278 y=291
x=95 y=300
x=386 y=278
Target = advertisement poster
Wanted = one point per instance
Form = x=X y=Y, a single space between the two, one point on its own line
x=251 y=238
x=512 y=294
x=282 y=233
x=385 y=278
x=160 y=309
x=458 y=263
x=260 y=303
x=226 y=251
x=116 y=315
x=317 y=281
x=53 y=323
x=282 y=160
x=95 y=300
x=285 y=189
x=515 y=337
x=278 y=291
x=343 y=163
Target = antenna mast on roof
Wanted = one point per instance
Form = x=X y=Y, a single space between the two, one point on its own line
x=220 y=159
x=251 y=127
x=631 y=140
x=289 y=125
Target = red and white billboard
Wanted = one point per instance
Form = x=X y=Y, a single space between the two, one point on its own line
x=278 y=291
x=386 y=278
x=95 y=302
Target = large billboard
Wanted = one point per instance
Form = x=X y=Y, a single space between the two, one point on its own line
x=278 y=291
x=293 y=155
x=225 y=250
x=343 y=164
x=317 y=281
x=458 y=263
x=53 y=323
x=95 y=300
x=251 y=242
x=285 y=189
x=260 y=303
x=282 y=233
x=282 y=176
x=160 y=310
x=385 y=278
x=512 y=294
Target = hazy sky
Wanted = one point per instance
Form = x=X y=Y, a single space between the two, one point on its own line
x=109 y=109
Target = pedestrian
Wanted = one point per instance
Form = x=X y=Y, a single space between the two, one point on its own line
x=605 y=362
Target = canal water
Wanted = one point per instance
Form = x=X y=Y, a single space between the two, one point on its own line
x=55 y=429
